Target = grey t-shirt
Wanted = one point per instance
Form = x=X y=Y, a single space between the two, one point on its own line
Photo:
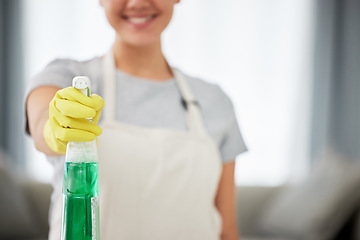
x=151 y=103
x=147 y=103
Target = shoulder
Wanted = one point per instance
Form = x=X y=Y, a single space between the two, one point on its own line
x=61 y=71
x=209 y=95
x=70 y=66
x=219 y=117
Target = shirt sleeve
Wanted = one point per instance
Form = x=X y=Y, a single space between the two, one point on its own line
x=58 y=73
x=232 y=143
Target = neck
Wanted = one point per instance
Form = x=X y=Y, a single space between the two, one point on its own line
x=146 y=62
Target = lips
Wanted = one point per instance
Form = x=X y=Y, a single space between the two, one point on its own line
x=139 y=20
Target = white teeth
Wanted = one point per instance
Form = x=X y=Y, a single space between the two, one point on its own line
x=139 y=20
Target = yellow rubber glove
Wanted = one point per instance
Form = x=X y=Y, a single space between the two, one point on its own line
x=68 y=113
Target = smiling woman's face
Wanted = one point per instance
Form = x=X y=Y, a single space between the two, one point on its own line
x=139 y=22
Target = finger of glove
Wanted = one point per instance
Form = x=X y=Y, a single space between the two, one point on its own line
x=79 y=123
x=73 y=94
x=59 y=119
x=97 y=116
x=73 y=135
x=74 y=109
x=98 y=102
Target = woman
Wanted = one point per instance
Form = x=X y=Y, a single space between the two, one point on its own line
x=168 y=142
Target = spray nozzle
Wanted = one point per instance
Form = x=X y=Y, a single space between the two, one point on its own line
x=83 y=84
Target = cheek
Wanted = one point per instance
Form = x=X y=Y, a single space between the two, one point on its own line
x=116 y=6
x=113 y=10
x=166 y=7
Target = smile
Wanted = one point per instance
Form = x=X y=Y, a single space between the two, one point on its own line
x=138 y=20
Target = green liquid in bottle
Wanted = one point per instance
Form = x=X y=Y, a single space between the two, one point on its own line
x=81 y=205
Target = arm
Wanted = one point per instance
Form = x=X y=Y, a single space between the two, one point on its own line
x=225 y=202
x=38 y=113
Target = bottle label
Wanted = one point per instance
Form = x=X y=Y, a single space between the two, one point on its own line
x=95 y=218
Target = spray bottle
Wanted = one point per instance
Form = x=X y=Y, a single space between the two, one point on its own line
x=80 y=217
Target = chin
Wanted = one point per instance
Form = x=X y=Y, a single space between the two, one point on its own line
x=141 y=40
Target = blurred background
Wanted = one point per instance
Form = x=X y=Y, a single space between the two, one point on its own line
x=291 y=68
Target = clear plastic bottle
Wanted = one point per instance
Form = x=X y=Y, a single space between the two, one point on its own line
x=80 y=217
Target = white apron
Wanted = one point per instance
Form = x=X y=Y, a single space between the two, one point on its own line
x=156 y=183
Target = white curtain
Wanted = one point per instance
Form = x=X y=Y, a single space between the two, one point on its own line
x=258 y=51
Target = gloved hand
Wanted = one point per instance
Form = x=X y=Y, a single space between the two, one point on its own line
x=67 y=121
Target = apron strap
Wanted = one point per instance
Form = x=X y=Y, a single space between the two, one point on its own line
x=109 y=77
x=193 y=116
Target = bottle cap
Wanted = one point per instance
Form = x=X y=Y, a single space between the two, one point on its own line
x=82 y=83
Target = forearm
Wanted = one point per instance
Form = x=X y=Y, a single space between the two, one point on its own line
x=230 y=234
x=229 y=228
x=37 y=114
x=225 y=202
